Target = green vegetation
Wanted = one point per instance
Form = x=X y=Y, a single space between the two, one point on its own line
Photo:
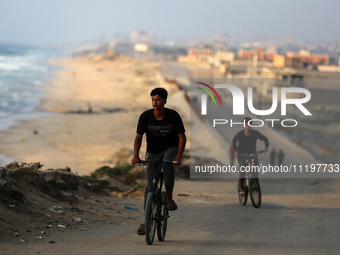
x=15 y=164
x=106 y=171
x=71 y=184
x=126 y=168
x=99 y=184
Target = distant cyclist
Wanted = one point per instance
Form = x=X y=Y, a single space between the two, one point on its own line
x=165 y=138
x=245 y=142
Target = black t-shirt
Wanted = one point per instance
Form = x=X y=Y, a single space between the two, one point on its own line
x=247 y=144
x=160 y=134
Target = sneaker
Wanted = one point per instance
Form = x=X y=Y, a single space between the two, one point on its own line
x=241 y=193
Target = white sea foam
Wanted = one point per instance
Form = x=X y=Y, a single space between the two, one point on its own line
x=9 y=66
x=37 y=82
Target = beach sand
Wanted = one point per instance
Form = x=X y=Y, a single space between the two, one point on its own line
x=95 y=105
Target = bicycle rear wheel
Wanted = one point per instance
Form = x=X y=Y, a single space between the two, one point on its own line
x=255 y=192
x=162 y=222
x=150 y=218
x=243 y=199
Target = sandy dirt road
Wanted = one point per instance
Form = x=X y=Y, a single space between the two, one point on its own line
x=296 y=217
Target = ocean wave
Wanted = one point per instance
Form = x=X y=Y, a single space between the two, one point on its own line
x=4 y=114
x=23 y=72
x=37 y=83
x=22 y=64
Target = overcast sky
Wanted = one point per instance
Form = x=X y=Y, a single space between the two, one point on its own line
x=73 y=21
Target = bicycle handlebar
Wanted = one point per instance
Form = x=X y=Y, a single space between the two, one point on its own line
x=144 y=162
x=251 y=154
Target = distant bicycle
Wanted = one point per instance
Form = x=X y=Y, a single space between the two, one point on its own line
x=156 y=212
x=251 y=185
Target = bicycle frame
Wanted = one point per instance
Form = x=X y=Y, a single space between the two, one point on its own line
x=250 y=162
x=156 y=213
x=158 y=175
x=252 y=184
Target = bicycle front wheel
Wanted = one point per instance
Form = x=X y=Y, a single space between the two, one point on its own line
x=150 y=218
x=243 y=199
x=162 y=219
x=255 y=192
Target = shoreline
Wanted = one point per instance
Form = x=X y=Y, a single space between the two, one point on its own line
x=31 y=110
x=117 y=92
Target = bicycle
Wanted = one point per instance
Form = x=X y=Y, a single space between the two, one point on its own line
x=251 y=184
x=156 y=212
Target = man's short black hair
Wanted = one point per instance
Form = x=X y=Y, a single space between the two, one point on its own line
x=247 y=119
x=160 y=91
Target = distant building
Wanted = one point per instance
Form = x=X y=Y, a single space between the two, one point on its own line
x=221 y=58
x=328 y=68
x=261 y=55
x=141 y=36
x=279 y=61
x=142 y=43
x=141 y=47
x=196 y=55
x=305 y=57
x=302 y=59
x=226 y=56
x=294 y=62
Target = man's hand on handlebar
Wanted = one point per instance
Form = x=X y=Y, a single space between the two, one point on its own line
x=177 y=161
x=135 y=160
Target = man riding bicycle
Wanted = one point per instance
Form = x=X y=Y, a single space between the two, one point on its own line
x=165 y=137
x=245 y=142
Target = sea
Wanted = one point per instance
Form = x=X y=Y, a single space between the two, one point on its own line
x=24 y=74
